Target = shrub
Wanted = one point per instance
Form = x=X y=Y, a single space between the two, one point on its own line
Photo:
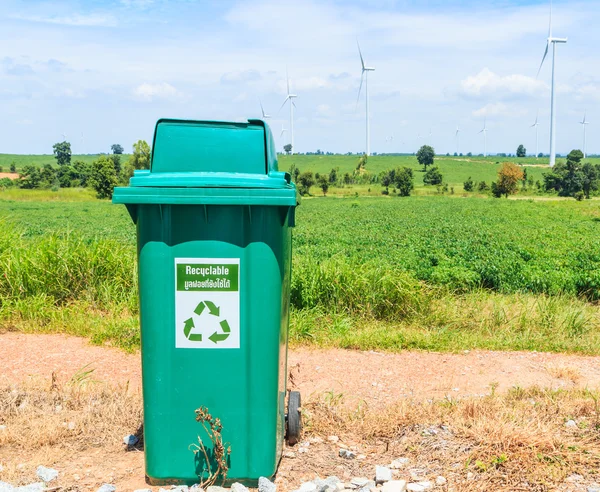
x=404 y=181
x=468 y=185
x=579 y=196
x=103 y=178
x=433 y=176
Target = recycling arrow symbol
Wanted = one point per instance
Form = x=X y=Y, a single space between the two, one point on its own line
x=213 y=310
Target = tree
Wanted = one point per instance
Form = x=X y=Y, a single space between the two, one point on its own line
x=103 y=177
x=67 y=176
x=425 y=156
x=403 y=180
x=323 y=182
x=305 y=180
x=570 y=177
x=116 y=149
x=116 y=159
x=13 y=167
x=47 y=176
x=287 y=148
x=540 y=155
x=83 y=171
x=62 y=153
x=509 y=176
x=140 y=159
x=433 y=176
x=468 y=185
x=482 y=186
x=29 y=177
x=362 y=164
x=333 y=177
x=521 y=151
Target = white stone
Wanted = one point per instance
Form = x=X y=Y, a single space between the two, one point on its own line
x=289 y=454
x=46 y=474
x=394 y=486
x=179 y=488
x=333 y=438
x=470 y=476
x=349 y=455
x=419 y=486
x=107 y=488
x=382 y=474
x=142 y=490
x=6 y=487
x=303 y=450
x=130 y=440
x=359 y=482
x=570 y=423
x=265 y=485
x=399 y=463
x=308 y=487
x=238 y=487
x=215 y=488
x=440 y=480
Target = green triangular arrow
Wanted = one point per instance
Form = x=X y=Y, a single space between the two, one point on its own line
x=199 y=309
x=225 y=326
x=215 y=337
x=189 y=324
x=212 y=309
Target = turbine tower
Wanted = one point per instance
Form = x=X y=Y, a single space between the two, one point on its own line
x=553 y=41
x=583 y=123
x=262 y=110
x=458 y=130
x=290 y=97
x=365 y=74
x=536 y=124
x=484 y=131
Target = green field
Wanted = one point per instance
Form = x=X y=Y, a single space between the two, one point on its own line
x=436 y=273
x=455 y=170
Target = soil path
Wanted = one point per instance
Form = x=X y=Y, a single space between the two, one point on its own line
x=377 y=378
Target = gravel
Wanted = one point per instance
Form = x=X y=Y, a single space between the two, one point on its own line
x=346 y=453
x=32 y=487
x=107 y=488
x=46 y=474
x=382 y=474
x=265 y=485
x=394 y=486
x=238 y=487
x=130 y=440
x=419 y=486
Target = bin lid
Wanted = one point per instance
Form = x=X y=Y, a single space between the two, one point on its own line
x=211 y=161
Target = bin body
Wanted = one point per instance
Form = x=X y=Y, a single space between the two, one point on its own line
x=214 y=288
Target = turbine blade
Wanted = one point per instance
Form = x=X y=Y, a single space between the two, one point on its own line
x=481 y=131
x=543 y=58
x=550 y=23
x=261 y=108
x=359 y=89
x=294 y=104
x=283 y=104
x=362 y=62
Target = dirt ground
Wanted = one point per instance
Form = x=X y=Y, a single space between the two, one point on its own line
x=9 y=175
x=375 y=379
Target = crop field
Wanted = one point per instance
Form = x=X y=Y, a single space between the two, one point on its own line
x=437 y=273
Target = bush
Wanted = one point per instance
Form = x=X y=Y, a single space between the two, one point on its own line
x=579 y=196
x=103 y=178
x=404 y=181
x=468 y=185
x=305 y=181
x=482 y=186
x=433 y=176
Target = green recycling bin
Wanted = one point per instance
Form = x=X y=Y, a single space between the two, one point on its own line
x=214 y=218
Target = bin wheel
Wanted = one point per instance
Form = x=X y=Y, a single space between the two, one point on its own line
x=294 y=418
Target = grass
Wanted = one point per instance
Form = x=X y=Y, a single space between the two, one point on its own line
x=498 y=442
x=426 y=273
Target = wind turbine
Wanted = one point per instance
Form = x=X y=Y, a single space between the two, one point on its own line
x=458 y=130
x=536 y=124
x=430 y=136
x=583 y=123
x=553 y=41
x=365 y=74
x=484 y=131
x=283 y=130
x=290 y=97
x=262 y=110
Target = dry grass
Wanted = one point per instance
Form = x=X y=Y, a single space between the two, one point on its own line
x=507 y=442
x=565 y=372
x=50 y=422
x=512 y=441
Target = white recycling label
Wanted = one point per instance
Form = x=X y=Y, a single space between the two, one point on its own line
x=207 y=303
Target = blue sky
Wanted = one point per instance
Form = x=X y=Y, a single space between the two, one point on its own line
x=103 y=72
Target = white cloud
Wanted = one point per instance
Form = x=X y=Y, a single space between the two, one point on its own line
x=487 y=83
x=498 y=109
x=78 y=20
x=156 y=91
